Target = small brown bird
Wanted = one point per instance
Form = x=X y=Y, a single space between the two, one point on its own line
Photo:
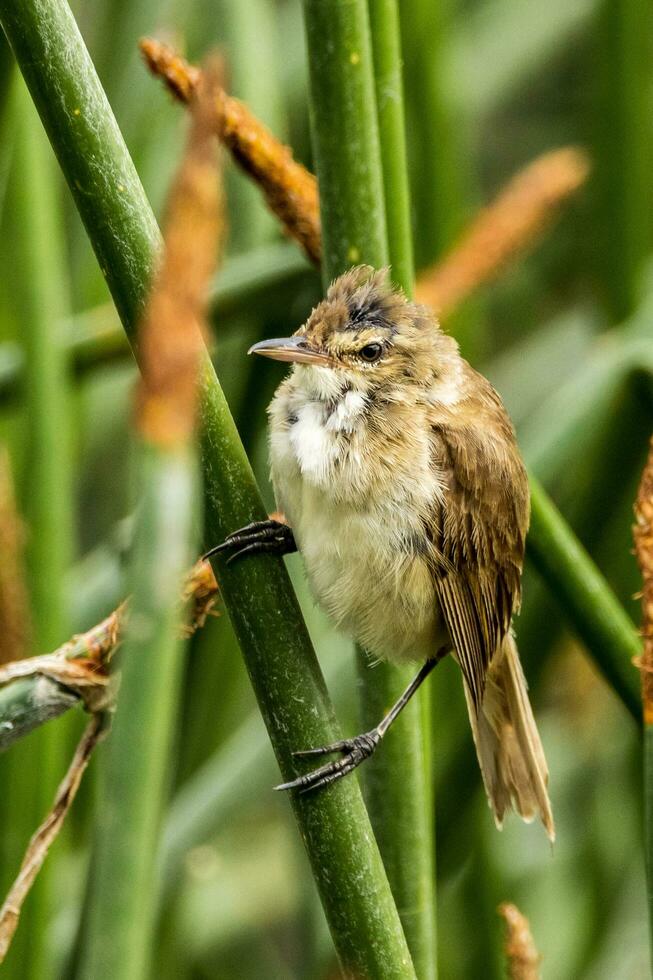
x=397 y=468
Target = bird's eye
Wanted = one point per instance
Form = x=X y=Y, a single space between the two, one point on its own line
x=371 y=352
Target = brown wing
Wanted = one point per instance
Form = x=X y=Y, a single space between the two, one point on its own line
x=478 y=530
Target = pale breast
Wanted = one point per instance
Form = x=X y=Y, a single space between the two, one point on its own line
x=357 y=504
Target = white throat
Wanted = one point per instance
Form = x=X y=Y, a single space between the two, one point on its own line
x=326 y=412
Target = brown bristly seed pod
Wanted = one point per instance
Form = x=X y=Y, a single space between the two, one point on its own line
x=508 y=226
x=289 y=188
x=643 y=535
x=170 y=338
x=522 y=957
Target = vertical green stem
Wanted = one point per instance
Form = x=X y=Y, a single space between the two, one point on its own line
x=42 y=307
x=624 y=148
x=345 y=135
x=48 y=483
x=399 y=798
x=136 y=756
x=247 y=29
x=362 y=174
x=386 y=48
x=434 y=137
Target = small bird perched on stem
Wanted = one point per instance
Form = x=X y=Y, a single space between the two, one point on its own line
x=397 y=467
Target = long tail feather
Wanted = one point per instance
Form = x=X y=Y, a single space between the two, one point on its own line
x=508 y=744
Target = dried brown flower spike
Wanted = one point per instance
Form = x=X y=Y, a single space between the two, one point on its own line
x=289 y=188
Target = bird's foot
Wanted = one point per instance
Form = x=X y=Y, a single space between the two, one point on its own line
x=262 y=536
x=354 y=751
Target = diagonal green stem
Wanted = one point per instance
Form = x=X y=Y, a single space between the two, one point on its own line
x=263 y=608
x=597 y=615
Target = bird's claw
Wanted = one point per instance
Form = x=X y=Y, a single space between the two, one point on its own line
x=257 y=538
x=354 y=751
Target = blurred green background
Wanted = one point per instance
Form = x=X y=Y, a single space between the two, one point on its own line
x=565 y=335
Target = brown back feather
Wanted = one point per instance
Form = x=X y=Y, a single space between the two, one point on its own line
x=479 y=528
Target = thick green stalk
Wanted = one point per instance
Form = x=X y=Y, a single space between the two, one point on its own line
x=434 y=134
x=593 y=609
x=263 y=608
x=136 y=758
x=361 y=166
x=247 y=31
x=345 y=135
x=386 y=48
x=624 y=148
x=440 y=136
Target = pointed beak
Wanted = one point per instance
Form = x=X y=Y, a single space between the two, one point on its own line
x=293 y=349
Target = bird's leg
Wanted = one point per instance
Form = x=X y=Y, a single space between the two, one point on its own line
x=355 y=750
x=254 y=539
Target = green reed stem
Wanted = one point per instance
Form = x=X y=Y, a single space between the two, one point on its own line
x=42 y=304
x=624 y=148
x=247 y=32
x=361 y=169
x=263 y=608
x=386 y=48
x=345 y=135
x=136 y=758
x=593 y=610
x=43 y=308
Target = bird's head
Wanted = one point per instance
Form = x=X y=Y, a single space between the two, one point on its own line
x=364 y=336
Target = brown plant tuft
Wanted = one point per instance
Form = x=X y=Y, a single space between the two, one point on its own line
x=505 y=228
x=14 y=604
x=289 y=188
x=643 y=535
x=170 y=340
x=82 y=666
x=522 y=957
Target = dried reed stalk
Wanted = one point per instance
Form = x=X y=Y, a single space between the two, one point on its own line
x=505 y=228
x=289 y=189
x=643 y=535
x=39 y=845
